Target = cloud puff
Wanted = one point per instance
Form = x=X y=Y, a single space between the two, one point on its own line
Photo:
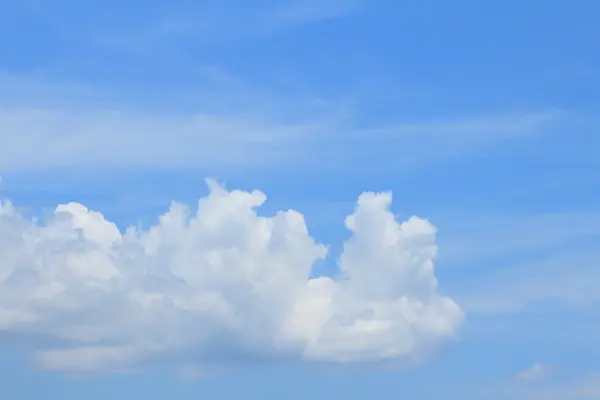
x=219 y=283
x=536 y=372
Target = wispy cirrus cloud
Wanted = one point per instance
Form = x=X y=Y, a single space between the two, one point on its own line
x=38 y=138
x=515 y=263
x=485 y=237
x=559 y=282
x=535 y=278
x=230 y=21
x=49 y=125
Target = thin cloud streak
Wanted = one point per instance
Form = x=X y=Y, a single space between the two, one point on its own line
x=211 y=26
x=55 y=138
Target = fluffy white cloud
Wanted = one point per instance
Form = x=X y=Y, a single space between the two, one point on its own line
x=223 y=282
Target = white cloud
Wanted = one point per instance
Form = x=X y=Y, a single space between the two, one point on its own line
x=222 y=282
x=536 y=372
x=521 y=262
x=37 y=138
x=422 y=142
x=580 y=386
x=54 y=138
x=502 y=235
x=190 y=373
x=561 y=281
x=302 y=11
x=218 y=24
x=227 y=123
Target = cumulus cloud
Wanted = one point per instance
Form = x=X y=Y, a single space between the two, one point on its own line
x=219 y=283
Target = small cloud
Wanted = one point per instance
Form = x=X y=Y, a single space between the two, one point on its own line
x=192 y=373
x=536 y=372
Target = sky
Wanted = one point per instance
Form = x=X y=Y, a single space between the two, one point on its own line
x=300 y=199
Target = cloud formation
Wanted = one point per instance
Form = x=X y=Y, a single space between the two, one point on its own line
x=536 y=372
x=93 y=137
x=221 y=282
x=220 y=23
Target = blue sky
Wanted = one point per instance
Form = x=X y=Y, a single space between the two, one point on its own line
x=479 y=118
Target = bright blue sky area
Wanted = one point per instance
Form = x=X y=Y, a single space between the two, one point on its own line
x=481 y=116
